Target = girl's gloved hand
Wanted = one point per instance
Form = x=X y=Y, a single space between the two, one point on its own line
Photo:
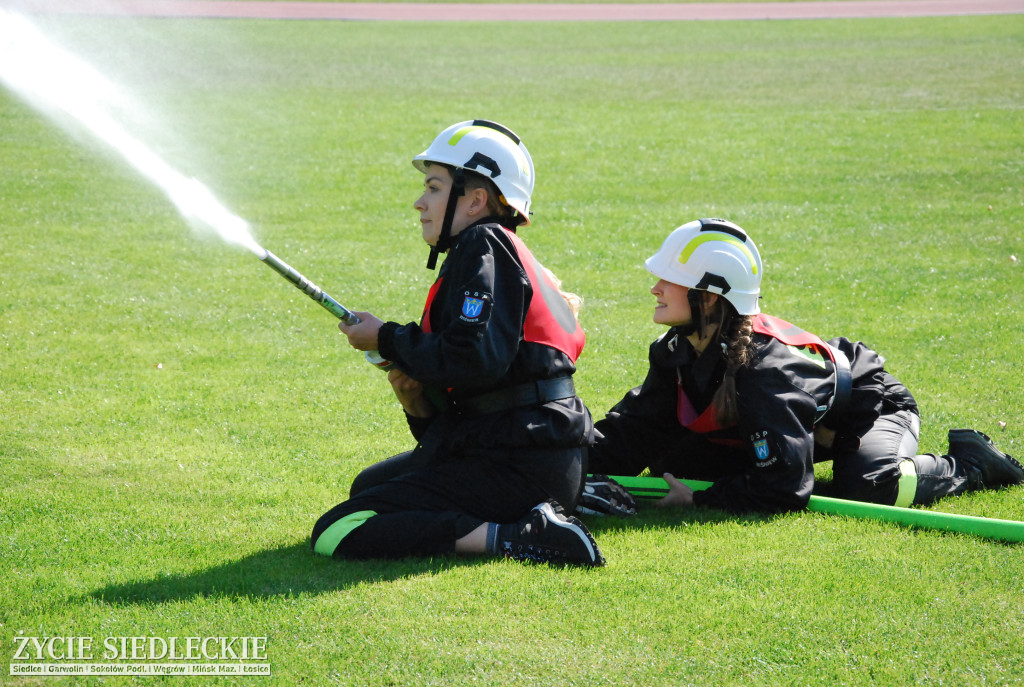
x=604 y=496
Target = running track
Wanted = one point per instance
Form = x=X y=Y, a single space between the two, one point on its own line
x=268 y=9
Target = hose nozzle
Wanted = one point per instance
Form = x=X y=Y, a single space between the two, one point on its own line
x=310 y=289
x=329 y=304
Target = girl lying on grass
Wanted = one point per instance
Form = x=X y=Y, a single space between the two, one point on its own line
x=750 y=402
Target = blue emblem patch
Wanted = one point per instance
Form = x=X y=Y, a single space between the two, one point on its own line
x=472 y=307
x=476 y=307
x=761 y=449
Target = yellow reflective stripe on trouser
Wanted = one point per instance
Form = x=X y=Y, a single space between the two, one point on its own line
x=908 y=484
x=329 y=539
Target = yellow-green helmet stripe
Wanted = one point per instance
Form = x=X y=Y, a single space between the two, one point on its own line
x=458 y=135
x=705 y=237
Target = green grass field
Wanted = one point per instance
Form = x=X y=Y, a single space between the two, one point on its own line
x=174 y=416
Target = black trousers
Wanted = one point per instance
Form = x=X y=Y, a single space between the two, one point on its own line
x=870 y=473
x=414 y=504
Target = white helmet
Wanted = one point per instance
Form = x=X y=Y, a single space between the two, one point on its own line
x=712 y=255
x=491 y=150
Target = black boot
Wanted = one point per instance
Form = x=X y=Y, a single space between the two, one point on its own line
x=975 y=450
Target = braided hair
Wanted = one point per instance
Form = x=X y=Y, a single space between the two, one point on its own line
x=736 y=335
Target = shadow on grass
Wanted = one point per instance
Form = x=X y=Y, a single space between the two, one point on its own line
x=650 y=517
x=291 y=570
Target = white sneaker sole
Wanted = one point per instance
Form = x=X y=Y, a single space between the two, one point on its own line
x=573 y=525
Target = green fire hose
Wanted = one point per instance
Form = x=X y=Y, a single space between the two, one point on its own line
x=991 y=528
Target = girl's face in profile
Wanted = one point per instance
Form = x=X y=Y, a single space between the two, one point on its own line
x=672 y=308
x=432 y=204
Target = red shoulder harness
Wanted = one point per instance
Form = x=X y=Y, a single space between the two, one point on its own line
x=549 y=320
x=789 y=334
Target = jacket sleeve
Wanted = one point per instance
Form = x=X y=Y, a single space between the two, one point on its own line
x=776 y=427
x=640 y=427
x=418 y=426
x=470 y=350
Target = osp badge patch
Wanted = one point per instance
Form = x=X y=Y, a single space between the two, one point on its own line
x=472 y=307
x=475 y=307
x=762 y=449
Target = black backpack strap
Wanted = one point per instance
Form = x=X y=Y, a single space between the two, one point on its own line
x=844 y=383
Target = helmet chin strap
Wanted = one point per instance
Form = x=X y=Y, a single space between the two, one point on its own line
x=695 y=297
x=444 y=239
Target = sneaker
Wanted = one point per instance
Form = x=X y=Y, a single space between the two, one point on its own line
x=977 y=451
x=546 y=535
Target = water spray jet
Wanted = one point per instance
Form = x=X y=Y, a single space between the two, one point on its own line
x=54 y=80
